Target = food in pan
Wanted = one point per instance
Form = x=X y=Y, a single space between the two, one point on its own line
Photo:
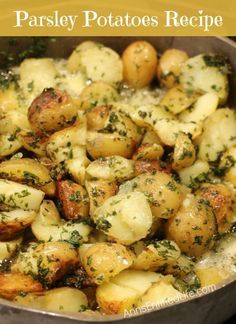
x=117 y=178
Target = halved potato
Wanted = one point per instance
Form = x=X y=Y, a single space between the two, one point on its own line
x=126 y=218
x=9 y=144
x=28 y=171
x=124 y=290
x=47 y=262
x=62 y=299
x=14 y=222
x=103 y=261
x=17 y=195
x=12 y=121
x=35 y=142
x=12 y=284
x=184 y=152
x=74 y=199
x=194 y=174
x=8 y=248
x=148 y=152
x=48 y=226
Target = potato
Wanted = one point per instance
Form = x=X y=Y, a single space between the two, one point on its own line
x=126 y=218
x=184 y=152
x=51 y=111
x=9 y=98
x=35 y=142
x=28 y=171
x=102 y=261
x=203 y=108
x=150 y=137
x=97 y=117
x=62 y=299
x=97 y=62
x=194 y=174
x=123 y=291
x=8 y=248
x=150 y=167
x=112 y=168
x=67 y=148
x=219 y=134
x=220 y=198
x=180 y=267
x=148 y=152
x=206 y=73
x=227 y=165
x=212 y=275
x=13 y=121
x=193 y=226
x=14 y=222
x=160 y=293
x=99 y=191
x=156 y=255
x=162 y=192
x=140 y=64
x=9 y=144
x=97 y=94
x=118 y=129
x=74 y=199
x=48 y=226
x=11 y=284
x=47 y=262
x=36 y=75
x=17 y=195
x=177 y=100
x=169 y=67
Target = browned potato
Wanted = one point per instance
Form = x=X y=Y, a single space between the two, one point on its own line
x=118 y=136
x=51 y=111
x=220 y=198
x=30 y=172
x=47 y=262
x=150 y=167
x=103 y=261
x=99 y=191
x=11 y=284
x=14 y=222
x=35 y=142
x=169 y=67
x=139 y=64
x=193 y=227
x=96 y=117
x=163 y=193
x=184 y=152
x=74 y=199
x=148 y=152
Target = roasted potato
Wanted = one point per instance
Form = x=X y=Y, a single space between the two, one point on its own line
x=111 y=168
x=99 y=191
x=139 y=64
x=195 y=174
x=51 y=111
x=124 y=290
x=184 y=152
x=169 y=67
x=193 y=226
x=126 y=218
x=12 y=284
x=14 y=222
x=220 y=198
x=35 y=142
x=74 y=199
x=162 y=192
x=17 y=195
x=8 y=248
x=227 y=165
x=48 y=226
x=148 y=152
x=97 y=94
x=9 y=144
x=150 y=167
x=102 y=261
x=47 y=262
x=30 y=172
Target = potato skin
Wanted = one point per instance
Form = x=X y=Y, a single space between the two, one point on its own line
x=99 y=191
x=220 y=198
x=139 y=64
x=184 y=152
x=74 y=199
x=193 y=227
x=52 y=110
x=105 y=260
x=11 y=284
x=169 y=67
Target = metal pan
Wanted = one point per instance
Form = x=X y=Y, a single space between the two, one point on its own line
x=214 y=307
